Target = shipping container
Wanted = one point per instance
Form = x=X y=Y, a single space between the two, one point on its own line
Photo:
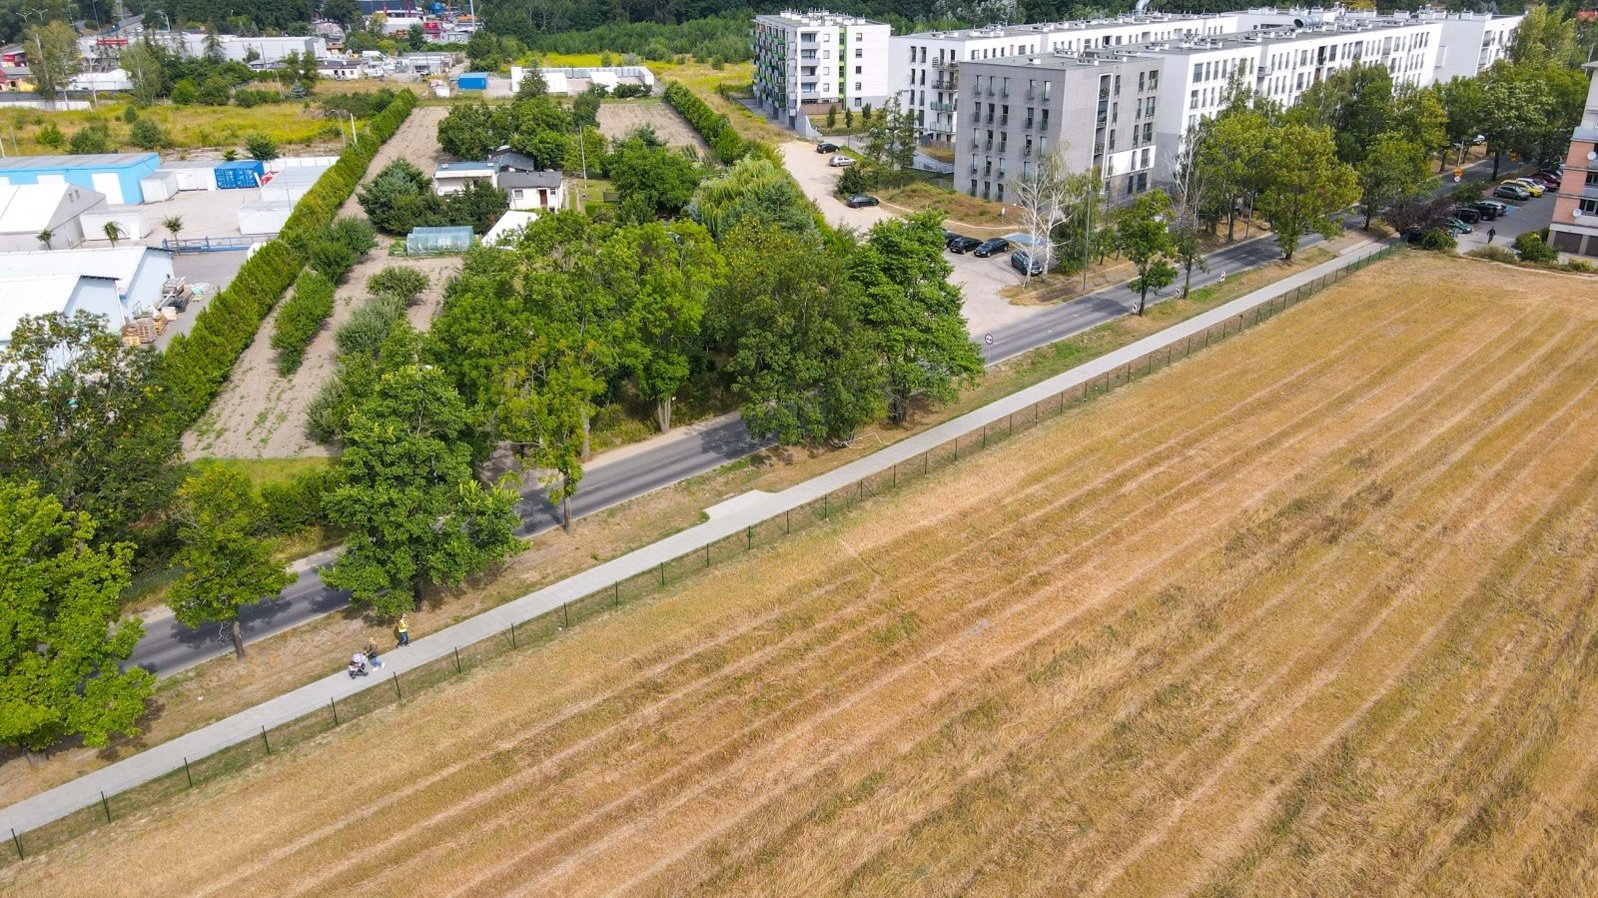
x=473 y=81
x=236 y=175
x=130 y=222
x=263 y=217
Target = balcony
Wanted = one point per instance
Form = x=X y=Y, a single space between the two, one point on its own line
x=946 y=64
x=1043 y=125
x=1002 y=147
x=987 y=146
x=936 y=106
x=1004 y=121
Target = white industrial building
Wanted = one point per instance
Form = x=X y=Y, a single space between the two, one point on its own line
x=30 y=211
x=806 y=63
x=238 y=49
x=24 y=297
x=137 y=272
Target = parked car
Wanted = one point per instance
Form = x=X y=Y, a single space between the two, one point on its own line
x=1535 y=188
x=1466 y=214
x=841 y=161
x=826 y=148
x=1022 y=261
x=1511 y=191
x=859 y=200
x=1457 y=226
x=990 y=247
x=1546 y=182
x=1491 y=209
x=961 y=244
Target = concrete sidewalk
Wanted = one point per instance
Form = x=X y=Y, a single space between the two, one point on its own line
x=732 y=519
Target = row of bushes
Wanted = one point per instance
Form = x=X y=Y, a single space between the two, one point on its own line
x=196 y=365
x=300 y=319
x=717 y=130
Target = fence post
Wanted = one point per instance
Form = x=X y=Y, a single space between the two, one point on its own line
x=264 y=740
x=565 y=620
x=397 y=692
x=331 y=703
x=17 y=842
x=513 y=634
x=787 y=521
x=663 y=573
x=106 y=806
x=457 y=651
x=707 y=554
x=749 y=533
x=823 y=508
x=895 y=475
x=186 y=772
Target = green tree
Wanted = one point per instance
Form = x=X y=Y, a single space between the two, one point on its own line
x=662 y=277
x=93 y=138
x=1355 y=103
x=401 y=198
x=658 y=179
x=1305 y=184
x=53 y=58
x=832 y=116
x=1230 y=157
x=225 y=566
x=755 y=192
x=85 y=420
x=261 y=147
x=113 y=233
x=61 y=643
x=1514 y=110
x=1464 y=105
x=45 y=237
x=214 y=91
x=416 y=38
x=146 y=69
x=1545 y=36
x=414 y=513
x=911 y=313
x=345 y=12
x=1419 y=117
x=185 y=92
x=1393 y=169
x=848 y=119
x=789 y=315
x=173 y=225
x=1142 y=232
x=534 y=85
x=585 y=108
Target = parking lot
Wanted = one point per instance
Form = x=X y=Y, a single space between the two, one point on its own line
x=1531 y=215
x=980 y=280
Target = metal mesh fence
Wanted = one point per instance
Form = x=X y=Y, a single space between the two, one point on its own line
x=549 y=626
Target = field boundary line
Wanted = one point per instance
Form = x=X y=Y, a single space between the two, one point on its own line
x=654 y=564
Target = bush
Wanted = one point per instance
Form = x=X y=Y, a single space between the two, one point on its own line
x=1531 y=248
x=52 y=137
x=300 y=319
x=251 y=98
x=95 y=138
x=714 y=127
x=853 y=180
x=146 y=134
x=1438 y=240
x=354 y=233
x=369 y=326
x=214 y=91
x=185 y=92
x=401 y=198
x=404 y=284
x=130 y=114
x=332 y=258
x=1493 y=254
x=295 y=504
x=261 y=147
x=1580 y=267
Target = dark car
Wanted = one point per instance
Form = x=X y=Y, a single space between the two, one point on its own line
x=860 y=199
x=960 y=244
x=1491 y=209
x=1467 y=214
x=990 y=247
x=1023 y=261
x=1511 y=192
x=826 y=148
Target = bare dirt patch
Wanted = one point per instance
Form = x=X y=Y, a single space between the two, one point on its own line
x=618 y=118
x=1312 y=612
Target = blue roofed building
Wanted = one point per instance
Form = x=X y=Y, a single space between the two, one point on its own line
x=116 y=175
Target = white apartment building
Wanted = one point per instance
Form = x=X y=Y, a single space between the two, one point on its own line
x=1471 y=42
x=805 y=63
x=924 y=68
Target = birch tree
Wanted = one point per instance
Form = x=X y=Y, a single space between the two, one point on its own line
x=1049 y=195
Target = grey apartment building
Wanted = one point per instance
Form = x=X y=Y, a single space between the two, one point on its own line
x=1099 y=107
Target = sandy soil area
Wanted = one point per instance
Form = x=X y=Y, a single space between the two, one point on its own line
x=619 y=117
x=260 y=414
x=1312 y=612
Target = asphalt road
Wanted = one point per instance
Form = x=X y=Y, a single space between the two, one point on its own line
x=168 y=647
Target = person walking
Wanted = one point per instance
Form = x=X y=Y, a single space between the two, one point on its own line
x=404 y=630
x=1491 y=233
x=371 y=654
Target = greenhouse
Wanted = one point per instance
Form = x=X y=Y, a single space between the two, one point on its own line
x=438 y=241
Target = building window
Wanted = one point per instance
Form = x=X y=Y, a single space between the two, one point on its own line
x=973 y=186
x=1154 y=80
x=857 y=70
x=1588 y=207
x=857 y=86
x=858 y=52
x=1192 y=100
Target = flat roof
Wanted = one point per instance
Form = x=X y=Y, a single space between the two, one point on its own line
x=816 y=18
x=21 y=297
x=1065 y=25
x=86 y=160
x=464 y=168
x=120 y=263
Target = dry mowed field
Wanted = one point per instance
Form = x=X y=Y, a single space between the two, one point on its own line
x=1312 y=613
x=618 y=118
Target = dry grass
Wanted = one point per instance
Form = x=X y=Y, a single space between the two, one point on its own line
x=220 y=687
x=293 y=124
x=1312 y=613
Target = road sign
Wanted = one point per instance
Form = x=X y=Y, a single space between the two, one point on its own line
x=1456 y=179
x=988 y=339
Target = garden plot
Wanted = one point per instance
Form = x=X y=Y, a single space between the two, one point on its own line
x=618 y=118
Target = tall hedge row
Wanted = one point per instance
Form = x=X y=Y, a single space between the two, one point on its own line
x=196 y=365
x=717 y=130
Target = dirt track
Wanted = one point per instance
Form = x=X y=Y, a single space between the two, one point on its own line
x=1311 y=613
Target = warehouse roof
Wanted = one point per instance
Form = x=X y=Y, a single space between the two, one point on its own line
x=82 y=160
x=24 y=296
x=30 y=208
x=120 y=264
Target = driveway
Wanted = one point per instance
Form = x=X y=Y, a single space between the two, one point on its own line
x=979 y=280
